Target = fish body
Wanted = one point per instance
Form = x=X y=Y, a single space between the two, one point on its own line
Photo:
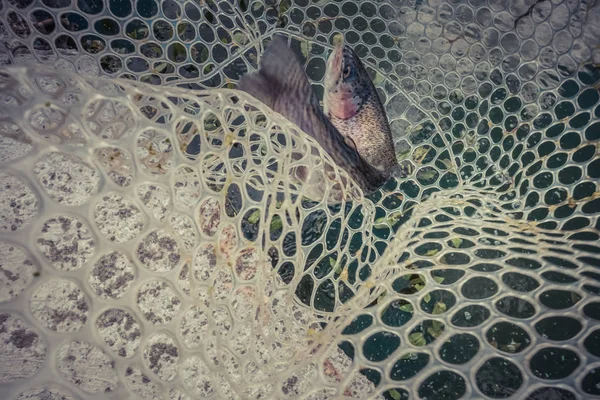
x=281 y=84
x=352 y=105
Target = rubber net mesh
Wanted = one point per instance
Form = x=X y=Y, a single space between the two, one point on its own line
x=154 y=243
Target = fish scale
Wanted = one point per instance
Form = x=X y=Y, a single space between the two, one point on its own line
x=353 y=106
x=371 y=134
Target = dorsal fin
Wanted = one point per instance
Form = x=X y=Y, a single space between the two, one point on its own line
x=280 y=74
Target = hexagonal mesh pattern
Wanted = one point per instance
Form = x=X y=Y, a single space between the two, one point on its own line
x=155 y=241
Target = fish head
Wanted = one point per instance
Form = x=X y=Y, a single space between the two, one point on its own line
x=347 y=83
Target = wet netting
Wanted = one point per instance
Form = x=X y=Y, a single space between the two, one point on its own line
x=155 y=242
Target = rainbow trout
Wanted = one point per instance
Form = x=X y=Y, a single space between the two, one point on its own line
x=353 y=107
x=281 y=84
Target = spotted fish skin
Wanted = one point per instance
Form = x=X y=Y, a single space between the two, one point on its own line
x=281 y=84
x=353 y=106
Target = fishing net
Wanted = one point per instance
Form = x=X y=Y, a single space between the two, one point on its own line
x=156 y=243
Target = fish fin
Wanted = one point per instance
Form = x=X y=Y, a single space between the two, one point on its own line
x=280 y=74
x=400 y=171
x=350 y=142
x=258 y=86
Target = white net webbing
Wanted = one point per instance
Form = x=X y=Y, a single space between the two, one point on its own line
x=155 y=243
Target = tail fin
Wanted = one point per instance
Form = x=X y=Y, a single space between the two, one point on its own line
x=400 y=171
x=280 y=74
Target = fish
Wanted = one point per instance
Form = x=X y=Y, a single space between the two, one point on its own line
x=282 y=85
x=351 y=103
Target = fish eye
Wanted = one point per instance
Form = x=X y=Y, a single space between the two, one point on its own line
x=346 y=71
